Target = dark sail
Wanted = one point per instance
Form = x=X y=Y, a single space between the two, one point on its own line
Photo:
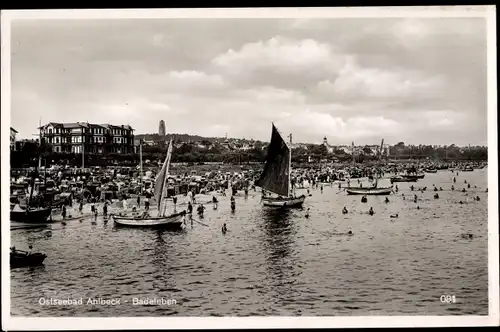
x=275 y=177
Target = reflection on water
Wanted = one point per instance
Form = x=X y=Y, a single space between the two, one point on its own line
x=278 y=239
x=275 y=262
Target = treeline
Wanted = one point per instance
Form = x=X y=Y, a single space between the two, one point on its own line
x=192 y=153
x=452 y=152
x=176 y=138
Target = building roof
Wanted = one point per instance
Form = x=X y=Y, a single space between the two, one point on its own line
x=127 y=127
x=12 y=129
x=74 y=125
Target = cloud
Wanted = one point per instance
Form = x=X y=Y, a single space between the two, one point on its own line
x=355 y=82
x=279 y=61
x=417 y=80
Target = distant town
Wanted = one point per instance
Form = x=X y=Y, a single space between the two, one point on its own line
x=77 y=142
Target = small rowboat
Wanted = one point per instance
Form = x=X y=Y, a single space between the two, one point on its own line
x=20 y=258
x=172 y=221
x=369 y=191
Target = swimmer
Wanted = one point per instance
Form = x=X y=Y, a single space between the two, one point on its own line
x=344 y=210
x=371 y=212
x=387 y=200
x=224 y=229
x=307 y=213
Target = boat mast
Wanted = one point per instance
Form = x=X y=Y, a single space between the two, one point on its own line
x=140 y=160
x=40 y=139
x=353 y=157
x=379 y=162
x=290 y=190
x=83 y=151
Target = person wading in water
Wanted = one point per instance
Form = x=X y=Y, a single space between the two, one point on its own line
x=371 y=212
x=105 y=210
x=233 y=204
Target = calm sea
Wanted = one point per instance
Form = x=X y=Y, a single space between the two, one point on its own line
x=274 y=262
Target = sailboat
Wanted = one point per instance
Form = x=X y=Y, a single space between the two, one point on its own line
x=163 y=220
x=276 y=177
x=374 y=190
x=32 y=214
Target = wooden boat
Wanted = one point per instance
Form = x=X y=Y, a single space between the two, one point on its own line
x=21 y=258
x=467 y=169
x=404 y=178
x=163 y=220
x=30 y=214
x=369 y=191
x=284 y=202
x=173 y=221
x=373 y=190
x=420 y=176
x=431 y=170
x=276 y=175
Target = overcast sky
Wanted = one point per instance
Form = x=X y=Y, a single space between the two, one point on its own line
x=421 y=81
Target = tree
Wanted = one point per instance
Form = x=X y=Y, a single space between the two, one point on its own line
x=367 y=150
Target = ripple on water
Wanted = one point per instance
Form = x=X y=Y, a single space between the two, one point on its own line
x=275 y=262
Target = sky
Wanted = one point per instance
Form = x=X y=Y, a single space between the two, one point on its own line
x=420 y=81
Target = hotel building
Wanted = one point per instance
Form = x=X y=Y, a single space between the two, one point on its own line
x=94 y=138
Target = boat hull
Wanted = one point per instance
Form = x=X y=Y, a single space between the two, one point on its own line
x=405 y=179
x=173 y=221
x=369 y=191
x=431 y=171
x=31 y=216
x=24 y=260
x=284 y=202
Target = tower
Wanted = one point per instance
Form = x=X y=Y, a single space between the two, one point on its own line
x=161 y=129
x=325 y=141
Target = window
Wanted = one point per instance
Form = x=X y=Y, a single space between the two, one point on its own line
x=50 y=131
x=57 y=140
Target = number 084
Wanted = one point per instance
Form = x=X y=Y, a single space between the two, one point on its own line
x=448 y=299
